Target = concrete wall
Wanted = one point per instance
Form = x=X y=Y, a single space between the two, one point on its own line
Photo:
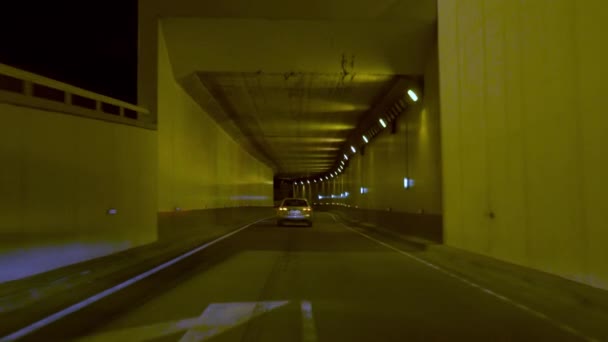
x=412 y=152
x=59 y=174
x=524 y=132
x=200 y=165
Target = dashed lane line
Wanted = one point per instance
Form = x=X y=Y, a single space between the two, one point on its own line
x=309 y=331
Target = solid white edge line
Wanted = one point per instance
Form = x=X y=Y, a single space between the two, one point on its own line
x=82 y=304
x=503 y=298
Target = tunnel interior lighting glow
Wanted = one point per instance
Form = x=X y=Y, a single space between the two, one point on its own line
x=308 y=181
x=345 y=157
x=352 y=148
x=382 y=123
x=408 y=182
x=342 y=195
x=412 y=95
x=342 y=162
x=365 y=139
x=112 y=211
x=302 y=183
x=363 y=190
x=331 y=175
x=327 y=178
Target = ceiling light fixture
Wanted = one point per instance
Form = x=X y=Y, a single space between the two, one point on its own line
x=365 y=139
x=382 y=123
x=412 y=95
x=345 y=156
x=352 y=148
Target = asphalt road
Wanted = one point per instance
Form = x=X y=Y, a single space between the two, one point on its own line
x=325 y=283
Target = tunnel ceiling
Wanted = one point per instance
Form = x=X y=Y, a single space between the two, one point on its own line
x=301 y=120
x=291 y=81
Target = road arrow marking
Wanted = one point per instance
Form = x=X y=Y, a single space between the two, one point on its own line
x=217 y=318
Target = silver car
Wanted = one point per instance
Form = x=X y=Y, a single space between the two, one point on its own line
x=294 y=210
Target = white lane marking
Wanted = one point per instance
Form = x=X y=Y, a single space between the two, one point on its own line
x=82 y=304
x=217 y=318
x=503 y=298
x=309 y=331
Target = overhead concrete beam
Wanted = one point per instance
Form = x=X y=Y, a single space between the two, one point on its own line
x=201 y=95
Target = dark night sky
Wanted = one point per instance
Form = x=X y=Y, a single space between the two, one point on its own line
x=89 y=44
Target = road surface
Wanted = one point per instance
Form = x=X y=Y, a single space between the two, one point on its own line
x=330 y=282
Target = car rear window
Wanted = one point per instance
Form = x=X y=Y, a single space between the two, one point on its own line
x=295 y=203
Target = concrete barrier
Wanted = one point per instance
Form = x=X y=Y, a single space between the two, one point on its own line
x=30 y=299
x=424 y=226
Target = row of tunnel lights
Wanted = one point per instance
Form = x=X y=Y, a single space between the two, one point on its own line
x=412 y=94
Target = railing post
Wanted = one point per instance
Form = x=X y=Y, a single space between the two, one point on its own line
x=28 y=88
x=75 y=101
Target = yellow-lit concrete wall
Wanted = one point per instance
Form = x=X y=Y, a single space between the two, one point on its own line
x=524 y=132
x=59 y=174
x=200 y=165
x=412 y=152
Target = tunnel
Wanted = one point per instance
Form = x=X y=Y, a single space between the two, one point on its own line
x=449 y=157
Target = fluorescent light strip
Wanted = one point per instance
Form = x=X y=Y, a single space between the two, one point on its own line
x=412 y=95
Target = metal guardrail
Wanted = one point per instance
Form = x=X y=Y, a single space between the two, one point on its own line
x=22 y=88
